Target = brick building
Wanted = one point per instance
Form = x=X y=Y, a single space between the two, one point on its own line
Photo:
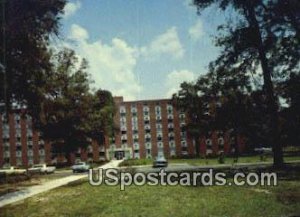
x=149 y=128
x=146 y=129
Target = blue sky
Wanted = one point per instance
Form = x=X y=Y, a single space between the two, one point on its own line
x=141 y=49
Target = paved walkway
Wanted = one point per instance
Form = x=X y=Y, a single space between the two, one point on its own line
x=33 y=190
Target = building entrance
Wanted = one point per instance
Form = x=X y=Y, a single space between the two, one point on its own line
x=119 y=155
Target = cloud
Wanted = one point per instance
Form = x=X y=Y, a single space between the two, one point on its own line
x=167 y=43
x=196 y=31
x=175 y=78
x=78 y=33
x=71 y=8
x=111 y=65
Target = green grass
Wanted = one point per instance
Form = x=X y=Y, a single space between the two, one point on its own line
x=202 y=161
x=84 y=200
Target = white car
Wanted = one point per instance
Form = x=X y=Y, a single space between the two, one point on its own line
x=263 y=150
x=41 y=168
x=12 y=170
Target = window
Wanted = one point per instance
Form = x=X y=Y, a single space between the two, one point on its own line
x=133 y=108
x=136 y=146
x=134 y=119
x=221 y=143
x=172 y=144
x=148 y=145
x=182 y=116
x=122 y=110
x=146 y=110
x=159 y=137
x=42 y=152
x=170 y=110
x=208 y=143
x=160 y=145
x=134 y=126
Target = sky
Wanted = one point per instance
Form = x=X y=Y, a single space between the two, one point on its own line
x=141 y=49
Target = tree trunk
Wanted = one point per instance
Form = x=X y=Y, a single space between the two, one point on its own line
x=268 y=88
x=197 y=145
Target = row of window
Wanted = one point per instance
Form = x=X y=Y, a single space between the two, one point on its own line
x=134 y=118
x=19 y=153
x=133 y=109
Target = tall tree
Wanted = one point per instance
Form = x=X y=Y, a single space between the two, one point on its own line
x=71 y=115
x=187 y=99
x=218 y=101
x=290 y=115
x=255 y=41
x=25 y=30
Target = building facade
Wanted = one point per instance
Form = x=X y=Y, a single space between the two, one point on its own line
x=145 y=129
x=149 y=128
x=22 y=145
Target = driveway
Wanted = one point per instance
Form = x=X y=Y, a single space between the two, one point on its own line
x=33 y=190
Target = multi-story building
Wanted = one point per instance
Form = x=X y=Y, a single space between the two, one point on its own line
x=146 y=129
x=22 y=145
x=149 y=128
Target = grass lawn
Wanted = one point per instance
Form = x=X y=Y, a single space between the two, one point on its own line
x=85 y=200
x=201 y=161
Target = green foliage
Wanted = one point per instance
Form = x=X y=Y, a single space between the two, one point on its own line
x=25 y=30
x=71 y=115
x=263 y=35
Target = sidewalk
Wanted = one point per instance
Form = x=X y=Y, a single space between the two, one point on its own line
x=33 y=190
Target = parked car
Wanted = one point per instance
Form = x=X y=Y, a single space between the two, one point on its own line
x=41 y=168
x=160 y=161
x=12 y=170
x=263 y=150
x=80 y=167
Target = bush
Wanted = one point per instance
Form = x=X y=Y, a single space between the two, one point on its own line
x=13 y=178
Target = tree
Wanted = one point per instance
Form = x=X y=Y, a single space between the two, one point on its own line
x=188 y=100
x=25 y=30
x=218 y=101
x=290 y=116
x=71 y=115
x=256 y=41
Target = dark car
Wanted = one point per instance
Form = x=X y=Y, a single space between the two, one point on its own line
x=80 y=167
x=160 y=161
